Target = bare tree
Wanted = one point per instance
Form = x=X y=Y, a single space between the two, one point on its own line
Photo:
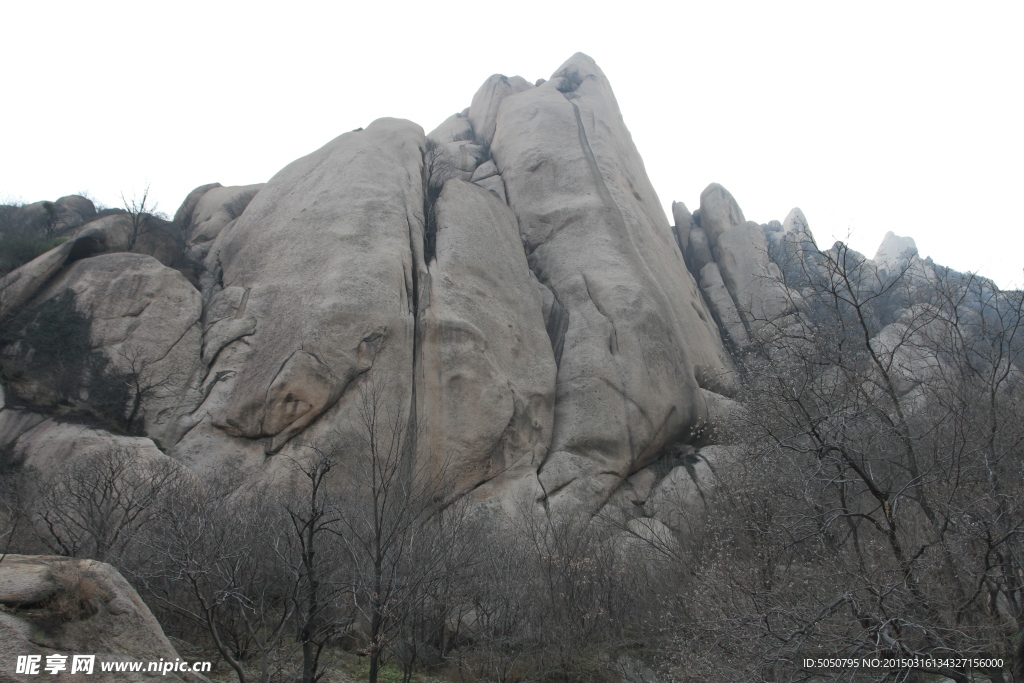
x=98 y=503
x=144 y=380
x=879 y=509
x=403 y=548
x=139 y=215
x=309 y=553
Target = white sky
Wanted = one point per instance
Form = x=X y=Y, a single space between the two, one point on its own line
x=870 y=116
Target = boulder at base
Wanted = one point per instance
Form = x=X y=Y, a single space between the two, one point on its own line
x=58 y=605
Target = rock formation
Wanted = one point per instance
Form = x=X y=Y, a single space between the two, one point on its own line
x=542 y=330
x=59 y=605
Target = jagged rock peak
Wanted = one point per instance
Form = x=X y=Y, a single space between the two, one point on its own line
x=895 y=249
x=718 y=212
x=795 y=221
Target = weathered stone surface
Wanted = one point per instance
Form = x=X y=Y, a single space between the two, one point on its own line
x=698 y=251
x=72 y=211
x=556 y=319
x=209 y=209
x=113 y=234
x=51 y=443
x=102 y=615
x=723 y=308
x=323 y=258
x=519 y=84
x=145 y=318
x=795 y=221
x=485 y=372
x=486 y=170
x=894 y=254
x=455 y=127
x=683 y=225
x=686 y=490
x=753 y=280
x=483 y=112
x=640 y=340
x=719 y=212
x=628 y=500
x=15 y=422
x=21 y=284
x=723 y=412
x=495 y=185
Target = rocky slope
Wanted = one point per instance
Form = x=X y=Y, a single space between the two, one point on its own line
x=509 y=280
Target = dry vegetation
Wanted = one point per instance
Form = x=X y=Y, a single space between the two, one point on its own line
x=875 y=508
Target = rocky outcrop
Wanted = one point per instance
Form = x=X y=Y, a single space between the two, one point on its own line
x=483 y=112
x=719 y=212
x=687 y=488
x=323 y=259
x=485 y=377
x=144 y=317
x=59 y=605
x=722 y=306
x=50 y=443
x=640 y=341
x=753 y=280
x=683 y=225
x=207 y=210
x=542 y=330
x=120 y=232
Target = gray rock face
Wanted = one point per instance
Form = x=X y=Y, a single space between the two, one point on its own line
x=495 y=185
x=323 y=260
x=207 y=210
x=683 y=225
x=21 y=284
x=640 y=340
x=145 y=318
x=687 y=487
x=483 y=113
x=795 y=221
x=455 y=127
x=722 y=305
x=113 y=234
x=48 y=444
x=108 y=619
x=894 y=254
x=718 y=212
x=73 y=211
x=485 y=372
x=698 y=250
x=15 y=422
x=753 y=281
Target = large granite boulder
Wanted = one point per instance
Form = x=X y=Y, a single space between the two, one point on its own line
x=207 y=210
x=640 y=341
x=753 y=280
x=485 y=378
x=66 y=606
x=50 y=443
x=120 y=232
x=719 y=212
x=324 y=260
x=483 y=112
x=722 y=306
x=144 y=318
x=73 y=211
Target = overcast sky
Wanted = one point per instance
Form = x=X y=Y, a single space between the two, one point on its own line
x=870 y=116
